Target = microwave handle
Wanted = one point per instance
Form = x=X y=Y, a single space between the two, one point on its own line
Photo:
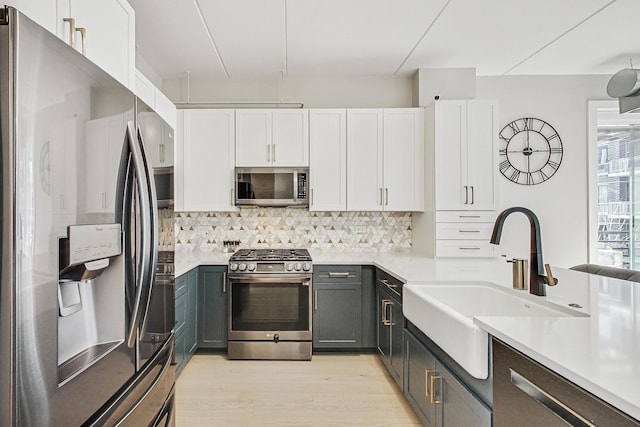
x=295 y=185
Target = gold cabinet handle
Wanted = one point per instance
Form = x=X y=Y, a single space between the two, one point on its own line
x=315 y=299
x=268 y=152
x=385 y=319
x=432 y=383
x=339 y=274
x=386 y=194
x=224 y=282
x=466 y=195
x=427 y=374
x=473 y=197
x=273 y=148
x=72 y=30
x=83 y=36
x=381 y=199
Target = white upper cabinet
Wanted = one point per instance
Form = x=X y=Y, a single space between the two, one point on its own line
x=365 y=190
x=385 y=157
x=328 y=160
x=103 y=29
x=403 y=159
x=272 y=137
x=204 y=165
x=43 y=12
x=464 y=134
x=159 y=139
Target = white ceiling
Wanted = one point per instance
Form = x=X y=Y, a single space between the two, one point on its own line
x=263 y=38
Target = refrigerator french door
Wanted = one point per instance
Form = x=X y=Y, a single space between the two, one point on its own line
x=78 y=243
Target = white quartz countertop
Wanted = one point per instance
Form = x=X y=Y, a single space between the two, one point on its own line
x=600 y=353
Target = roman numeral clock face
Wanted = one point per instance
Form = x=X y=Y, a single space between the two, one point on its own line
x=530 y=151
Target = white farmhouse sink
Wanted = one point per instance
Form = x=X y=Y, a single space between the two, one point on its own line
x=444 y=311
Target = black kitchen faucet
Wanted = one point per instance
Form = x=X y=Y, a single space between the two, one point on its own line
x=537 y=278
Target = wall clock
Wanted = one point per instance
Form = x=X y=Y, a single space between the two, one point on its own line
x=530 y=151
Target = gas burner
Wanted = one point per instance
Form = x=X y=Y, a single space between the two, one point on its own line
x=287 y=261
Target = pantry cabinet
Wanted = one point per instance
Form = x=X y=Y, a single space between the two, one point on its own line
x=464 y=134
x=204 y=164
x=271 y=138
x=328 y=160
x=385 y=159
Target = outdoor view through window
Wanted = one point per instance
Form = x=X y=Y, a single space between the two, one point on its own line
x=618 y=160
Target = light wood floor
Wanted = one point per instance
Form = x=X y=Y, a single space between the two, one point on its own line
x=331 y=390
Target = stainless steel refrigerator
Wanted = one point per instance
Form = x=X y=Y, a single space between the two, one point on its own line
x=86 y=331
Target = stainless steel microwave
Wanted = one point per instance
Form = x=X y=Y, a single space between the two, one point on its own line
x=271 y=186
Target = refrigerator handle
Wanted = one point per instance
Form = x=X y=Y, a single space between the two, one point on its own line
x=133 y=168
x=153 y=236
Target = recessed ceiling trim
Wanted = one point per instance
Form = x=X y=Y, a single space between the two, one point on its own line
x=211 y=39
x=406 y=58
x=559 y=37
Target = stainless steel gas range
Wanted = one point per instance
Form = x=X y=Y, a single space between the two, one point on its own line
x=270 y=304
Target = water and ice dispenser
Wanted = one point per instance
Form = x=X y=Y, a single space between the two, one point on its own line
x=91 y=296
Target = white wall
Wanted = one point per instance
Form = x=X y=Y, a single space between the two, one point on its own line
x=561 y=202
x=313 y=92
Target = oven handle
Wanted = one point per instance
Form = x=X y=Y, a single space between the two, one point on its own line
x=295 y=279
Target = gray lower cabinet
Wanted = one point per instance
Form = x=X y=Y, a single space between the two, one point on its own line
x=527 y=393
x=186 y=316
x=437 y=396
x=212 y=307
x=337 y=307
x=390 y=326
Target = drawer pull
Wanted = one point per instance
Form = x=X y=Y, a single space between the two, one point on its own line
x=469 y=231
x=338 y=274
x=433 y=389
x=468 y=216
x=427 y=375
x=550 y=402
x=385 y=319
x=469 y=248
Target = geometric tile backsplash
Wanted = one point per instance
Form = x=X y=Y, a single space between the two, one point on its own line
x=289 y=227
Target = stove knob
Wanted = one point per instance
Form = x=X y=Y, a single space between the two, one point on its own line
x=242 y=267
x=289 y=266
x=297 y=266
x=233 y=266
x=251 y=267
x=306 y=266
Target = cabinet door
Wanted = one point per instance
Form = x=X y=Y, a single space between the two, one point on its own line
x=420 y=365
x=206 y=163
x=110 y=36
x=337 y=315
x=526 y=390
x=482 y=157
x=459 y=406
x=403 y=159
x=212 y=307
x=396 y=361
x=191 y=327
x=179 y=353
x=364 y=160
x=328 y=160
x=290 y=137
x=254 y=130
x=451 y=155
x=42 y=12
x=383 y=326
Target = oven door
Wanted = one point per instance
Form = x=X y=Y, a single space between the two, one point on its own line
x=261 y=307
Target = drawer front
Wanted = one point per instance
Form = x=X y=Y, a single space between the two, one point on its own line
x=465 y=249
x=464 y=230
x=337 y=273
x=463 y=216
